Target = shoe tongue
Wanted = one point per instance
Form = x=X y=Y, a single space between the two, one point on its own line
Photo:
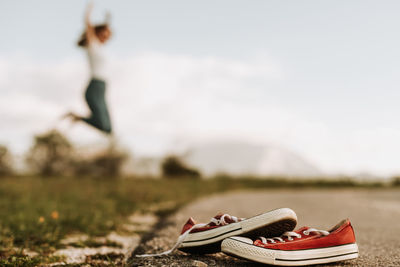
x=189 y=224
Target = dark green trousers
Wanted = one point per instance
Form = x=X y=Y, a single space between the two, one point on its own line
x=95 y=98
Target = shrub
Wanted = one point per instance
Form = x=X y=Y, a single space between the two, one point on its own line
x=5 y=162
x=172 y=166
x=107 y=163
x=396 y=181
x=51 y=154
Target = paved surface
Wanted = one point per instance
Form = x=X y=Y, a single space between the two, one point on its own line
x=375 y=215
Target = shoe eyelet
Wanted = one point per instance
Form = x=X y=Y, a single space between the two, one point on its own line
x=306 y=233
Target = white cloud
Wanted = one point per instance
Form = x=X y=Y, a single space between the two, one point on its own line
x=162 y=102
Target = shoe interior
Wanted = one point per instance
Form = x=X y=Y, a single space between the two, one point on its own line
x=338 y=225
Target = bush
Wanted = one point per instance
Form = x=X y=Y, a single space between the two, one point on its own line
x=51 y=154
x=173 y=167
x=396 y=181
x=5 y=162
x=106 y=163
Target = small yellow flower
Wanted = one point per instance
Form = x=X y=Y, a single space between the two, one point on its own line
x=41 y=219
x=54 y=215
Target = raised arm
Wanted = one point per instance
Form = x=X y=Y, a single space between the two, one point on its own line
x=90 y=33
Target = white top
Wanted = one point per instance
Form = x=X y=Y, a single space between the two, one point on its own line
x=97 y=60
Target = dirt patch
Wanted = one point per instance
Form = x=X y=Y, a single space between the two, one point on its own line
x=114 y=249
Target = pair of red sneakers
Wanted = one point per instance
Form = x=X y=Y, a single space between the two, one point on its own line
x=268 y=238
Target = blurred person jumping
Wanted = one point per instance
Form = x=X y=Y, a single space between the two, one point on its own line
x=92 y=40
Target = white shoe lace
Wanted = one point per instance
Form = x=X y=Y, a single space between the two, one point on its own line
x=221 y=221
x=290 y=235
x=218 y=222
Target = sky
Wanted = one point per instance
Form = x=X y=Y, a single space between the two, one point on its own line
x=317 y=77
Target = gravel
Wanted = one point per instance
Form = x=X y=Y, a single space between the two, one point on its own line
x=374 y=213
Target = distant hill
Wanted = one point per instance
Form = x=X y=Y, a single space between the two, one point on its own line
x=236 y=158
x=233 y=158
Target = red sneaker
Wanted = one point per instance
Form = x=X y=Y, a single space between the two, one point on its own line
x=204 y=238
x=305 y=246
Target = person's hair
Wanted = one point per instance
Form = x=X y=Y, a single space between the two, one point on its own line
x=97 y=29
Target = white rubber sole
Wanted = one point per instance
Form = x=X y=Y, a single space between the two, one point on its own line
x=244 y=248
x=270 y=224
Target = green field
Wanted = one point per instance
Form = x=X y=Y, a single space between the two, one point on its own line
x=36 y=213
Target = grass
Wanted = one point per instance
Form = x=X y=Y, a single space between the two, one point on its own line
x=37 y=213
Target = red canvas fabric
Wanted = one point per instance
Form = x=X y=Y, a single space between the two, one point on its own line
x=189 y=224
x=341 y=235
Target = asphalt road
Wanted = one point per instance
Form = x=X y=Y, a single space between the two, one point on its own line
x=374 y=214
